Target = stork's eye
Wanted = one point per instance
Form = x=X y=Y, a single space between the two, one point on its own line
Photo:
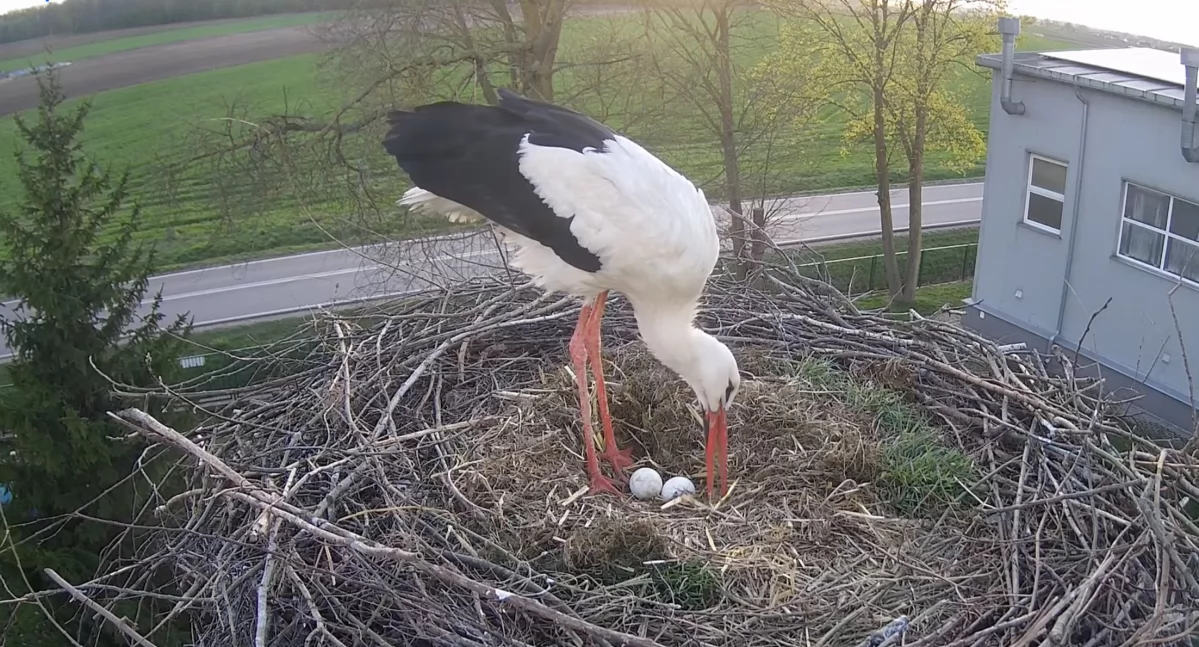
x=728 y=391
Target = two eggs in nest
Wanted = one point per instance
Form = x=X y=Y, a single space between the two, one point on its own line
x=646 y=483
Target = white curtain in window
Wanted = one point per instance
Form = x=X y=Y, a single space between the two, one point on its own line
x=1142 y=243
x=1182 y=259
x=1149 y=207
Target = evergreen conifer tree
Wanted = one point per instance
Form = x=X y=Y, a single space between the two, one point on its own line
x=68 y=254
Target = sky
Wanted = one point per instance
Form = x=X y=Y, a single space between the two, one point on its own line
x=9 y=5
x=1175 y=20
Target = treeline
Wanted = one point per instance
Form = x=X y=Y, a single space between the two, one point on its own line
x=85 y=16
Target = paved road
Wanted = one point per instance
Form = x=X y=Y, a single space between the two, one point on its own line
x=273 y=287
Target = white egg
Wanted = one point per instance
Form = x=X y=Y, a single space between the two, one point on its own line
x=676 y=487
x=645 y=483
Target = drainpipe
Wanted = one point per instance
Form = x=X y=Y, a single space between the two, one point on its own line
x=1078 y=173
x=1009 y=29
x=1190 y=149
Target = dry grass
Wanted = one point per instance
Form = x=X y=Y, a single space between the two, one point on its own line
x=803 y=503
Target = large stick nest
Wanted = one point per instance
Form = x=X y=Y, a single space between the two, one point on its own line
x=419 y=480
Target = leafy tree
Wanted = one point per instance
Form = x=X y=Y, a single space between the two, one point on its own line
x=942 y=37
x=68 y=255
x=889 y=66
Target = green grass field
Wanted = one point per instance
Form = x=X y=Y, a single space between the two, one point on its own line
x=194 y=220
x=145 y=126
x=167 y=35
x=929 y=298
x=857 y=268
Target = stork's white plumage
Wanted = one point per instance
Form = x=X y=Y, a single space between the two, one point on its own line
x=585 y=211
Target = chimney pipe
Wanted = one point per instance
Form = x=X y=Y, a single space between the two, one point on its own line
x=1009 y=29
x=1190 y=148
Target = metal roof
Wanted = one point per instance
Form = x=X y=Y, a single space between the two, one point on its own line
x=1142 y=61
x=1135 y=72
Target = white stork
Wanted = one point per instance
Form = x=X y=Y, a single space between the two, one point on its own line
x=585 y=211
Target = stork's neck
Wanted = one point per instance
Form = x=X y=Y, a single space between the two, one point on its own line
x=669 y=332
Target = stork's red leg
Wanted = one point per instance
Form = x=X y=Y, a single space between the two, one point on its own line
x=619 y=459
x=578 y=355
x=722 y=458
x=710 y=456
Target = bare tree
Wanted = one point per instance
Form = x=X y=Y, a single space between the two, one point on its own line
x=425 y=43
x=704 y=56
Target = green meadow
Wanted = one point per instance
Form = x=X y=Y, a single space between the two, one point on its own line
x=193 y=219
x=167 y=35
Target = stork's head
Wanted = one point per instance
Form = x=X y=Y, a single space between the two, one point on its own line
x=715 y=378
x=714 y=375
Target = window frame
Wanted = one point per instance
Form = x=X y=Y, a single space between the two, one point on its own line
x=1160 y=268
x=1030 y=189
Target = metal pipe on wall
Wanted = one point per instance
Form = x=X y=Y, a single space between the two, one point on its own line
x=1190 y=148
x=1076 y=200
x=1009 y=29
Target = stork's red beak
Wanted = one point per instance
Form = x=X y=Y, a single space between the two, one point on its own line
x=717 y=453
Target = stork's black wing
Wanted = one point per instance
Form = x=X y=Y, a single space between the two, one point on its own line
x=469 y=154
x=553 y=125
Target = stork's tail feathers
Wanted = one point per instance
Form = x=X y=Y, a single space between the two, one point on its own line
x=420 y=200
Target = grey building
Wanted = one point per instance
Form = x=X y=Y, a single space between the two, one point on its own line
x=1090 y=199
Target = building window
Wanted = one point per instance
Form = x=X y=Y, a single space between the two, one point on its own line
x=1046 y=198
x=1160 y=231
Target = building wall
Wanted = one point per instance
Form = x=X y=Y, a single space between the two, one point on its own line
x=1165 y=410
x=1126 y=140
